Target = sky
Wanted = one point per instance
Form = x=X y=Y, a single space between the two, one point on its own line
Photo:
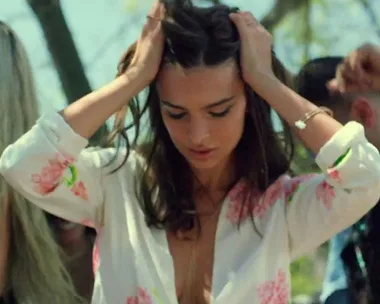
x=103 y=29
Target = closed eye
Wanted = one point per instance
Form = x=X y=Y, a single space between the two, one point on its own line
x=220 y=114
x=176 y=115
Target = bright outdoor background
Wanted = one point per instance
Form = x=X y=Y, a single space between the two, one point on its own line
x=74 y=47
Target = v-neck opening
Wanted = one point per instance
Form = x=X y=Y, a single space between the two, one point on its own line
x=163 y=243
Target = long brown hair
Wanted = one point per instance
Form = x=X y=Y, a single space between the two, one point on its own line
x=197 y=36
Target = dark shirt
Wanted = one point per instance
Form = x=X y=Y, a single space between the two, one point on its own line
x=8 y=299
x=362 y=258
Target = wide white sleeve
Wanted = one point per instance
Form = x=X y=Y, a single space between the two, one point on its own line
x=319 y=206
x=50 y=166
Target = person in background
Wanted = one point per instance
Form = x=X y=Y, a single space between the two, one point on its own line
x=43 y=259
x=350 y=87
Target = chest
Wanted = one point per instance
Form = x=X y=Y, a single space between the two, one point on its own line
x=227 y=264
x=193 y=259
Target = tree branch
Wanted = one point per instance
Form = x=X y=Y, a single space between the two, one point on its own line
x=370 y=13
x=64 y=53
x=280 y=10
x=307 y=30
x=215 y=2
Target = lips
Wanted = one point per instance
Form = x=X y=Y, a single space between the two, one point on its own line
x=201 y=154
x=203 y=151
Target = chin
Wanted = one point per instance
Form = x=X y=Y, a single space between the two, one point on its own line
x=70 y=233
x=203 y=165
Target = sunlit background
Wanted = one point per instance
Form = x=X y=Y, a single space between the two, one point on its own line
x=103 y=29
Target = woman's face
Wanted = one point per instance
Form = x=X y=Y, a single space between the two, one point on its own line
x=68 y=234
x=203 y=110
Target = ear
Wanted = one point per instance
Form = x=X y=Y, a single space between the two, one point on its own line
x=363 y=111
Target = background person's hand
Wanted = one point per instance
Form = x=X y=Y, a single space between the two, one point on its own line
x=360 y=71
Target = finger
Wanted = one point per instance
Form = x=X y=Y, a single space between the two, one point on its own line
x=339 y=75
x=333 y=85
x=250 y=20
x=345 y=75
x=342 y=87
x=162 y=11
x=154 y=18
x=248 y=17
x=355 y=62
x=158 y=34
x=339 y=82
x=156 y=9
x=253 y=23
x=349 y=74
x=240 y=24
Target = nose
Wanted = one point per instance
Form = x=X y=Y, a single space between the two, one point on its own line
x=198 y=131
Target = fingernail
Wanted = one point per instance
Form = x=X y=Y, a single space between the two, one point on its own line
x=234 y=16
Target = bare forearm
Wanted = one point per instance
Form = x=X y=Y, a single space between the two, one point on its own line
x=87 y=114
x=292 y=107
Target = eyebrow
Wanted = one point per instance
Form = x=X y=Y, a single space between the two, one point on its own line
x=212 y=105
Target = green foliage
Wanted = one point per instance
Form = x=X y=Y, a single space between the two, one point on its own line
x=303 y=162
x=304 y=279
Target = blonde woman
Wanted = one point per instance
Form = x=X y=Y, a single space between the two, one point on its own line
x=32 y=267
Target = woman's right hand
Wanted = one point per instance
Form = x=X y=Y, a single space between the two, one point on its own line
x=149 y=48
x=360 y=71
x=89 y=113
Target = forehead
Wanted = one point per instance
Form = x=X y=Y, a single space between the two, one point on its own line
x=198 y=86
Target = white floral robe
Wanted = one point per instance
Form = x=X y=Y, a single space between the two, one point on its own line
x=133 y=265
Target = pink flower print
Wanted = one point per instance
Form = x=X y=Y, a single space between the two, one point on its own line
x=50 y=175
x=144 y=296
x=325 y=193
x=239 y=207
x=276 y=291
x=88 y=223
x=141 y=298
x=238 y=190
x=269 y=198
x=239 y=210
x=293 y=184
x=95 y=252
x=333 y=174
x=132 y=300
x=80 y=190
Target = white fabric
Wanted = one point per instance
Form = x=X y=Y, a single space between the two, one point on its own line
x=50 y=166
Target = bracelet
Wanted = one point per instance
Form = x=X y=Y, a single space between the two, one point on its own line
x=301 y=124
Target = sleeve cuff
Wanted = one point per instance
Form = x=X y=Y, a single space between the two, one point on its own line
x=61 y=134
x=338 y=145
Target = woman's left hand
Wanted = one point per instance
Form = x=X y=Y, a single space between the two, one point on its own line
x=256 y=44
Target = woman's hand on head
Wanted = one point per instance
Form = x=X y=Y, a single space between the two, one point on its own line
x=360 y=71
x=149 y=48
x=256 y=47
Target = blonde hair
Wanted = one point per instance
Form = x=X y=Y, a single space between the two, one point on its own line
x=35 y=271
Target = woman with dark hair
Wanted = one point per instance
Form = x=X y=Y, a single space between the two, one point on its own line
x=202 y=211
